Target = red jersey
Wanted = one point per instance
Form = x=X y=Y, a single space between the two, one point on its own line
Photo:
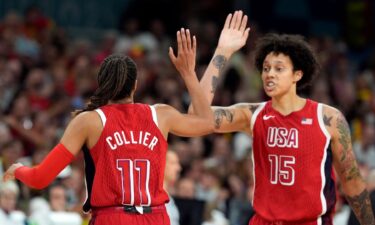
x=126 y=165
x=293 y=171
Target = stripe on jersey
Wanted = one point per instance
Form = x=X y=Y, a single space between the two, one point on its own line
x=102 y=116
x=255 y=115
x=89 y=177
x=154 y=116
x=252 y=122
x=324 y=159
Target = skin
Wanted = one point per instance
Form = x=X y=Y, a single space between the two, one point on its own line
x=280 y=84
x=86 y=127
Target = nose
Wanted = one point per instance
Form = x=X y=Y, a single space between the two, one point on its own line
x=268 y=74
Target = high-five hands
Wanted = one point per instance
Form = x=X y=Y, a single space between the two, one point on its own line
x=234 y=33
x=186 y=53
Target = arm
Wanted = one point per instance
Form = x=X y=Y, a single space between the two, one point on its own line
x=61 y=155
x=353 y=185
x=184 y=125
x=233 y=37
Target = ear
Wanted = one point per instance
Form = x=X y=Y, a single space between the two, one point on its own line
x=135 y=87
x=297 y=75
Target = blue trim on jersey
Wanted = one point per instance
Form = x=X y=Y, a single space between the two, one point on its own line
x=89 y=175
x=329 y=190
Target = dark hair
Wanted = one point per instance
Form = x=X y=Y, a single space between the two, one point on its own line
x=299 y=51
x=116 y=80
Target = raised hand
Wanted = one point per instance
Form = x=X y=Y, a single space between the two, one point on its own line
x=234 y=33
x=186 y=53
x=9 y=174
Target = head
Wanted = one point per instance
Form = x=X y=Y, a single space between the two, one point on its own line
x=8 y=196
x=117 y=80
x=286 y=62
x=172 y=168
x=57 y=198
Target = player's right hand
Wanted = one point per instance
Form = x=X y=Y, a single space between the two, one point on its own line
x=186 y=53
x=234 y=33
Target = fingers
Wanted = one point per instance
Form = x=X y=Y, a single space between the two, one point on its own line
x=246 y=33
x=184 y=41
x=238 y=20
x=194 y=44
x=188 y=40
x=171 y=55
x=179 y=42
x=7 y=177
x=243 y=23
x=227 y=21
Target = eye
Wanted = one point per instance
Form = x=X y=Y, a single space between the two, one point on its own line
x=279 y=69
x=266 y=69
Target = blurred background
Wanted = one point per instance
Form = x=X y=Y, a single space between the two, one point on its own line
x=50 y=52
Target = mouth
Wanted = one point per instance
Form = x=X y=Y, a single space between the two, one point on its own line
x=269 y=85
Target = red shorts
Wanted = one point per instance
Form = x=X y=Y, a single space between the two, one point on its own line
x=257 y=220
x=158 y=216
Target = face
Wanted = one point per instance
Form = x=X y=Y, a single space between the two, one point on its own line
x=57 y=198
x=278 y=76
x=172 y=167
x=8 y=200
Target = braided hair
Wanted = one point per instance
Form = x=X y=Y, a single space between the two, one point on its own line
x=116 y=80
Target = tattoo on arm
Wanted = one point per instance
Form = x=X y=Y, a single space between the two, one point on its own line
x=220 y=114
x=347 y=159
x=327 y=120
x=219 y=62
x=253 y=108
x=361 y=206
x=344 y=134
x=214 y=83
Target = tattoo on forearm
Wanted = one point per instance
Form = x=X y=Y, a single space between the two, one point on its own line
x=219 y=62
x=214 y=83
x=327 y=120
x=344 y=138
x=361 y=206
x=220 y=114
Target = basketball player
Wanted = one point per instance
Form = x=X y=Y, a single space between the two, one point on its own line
x=124 y=143
x=296 y=141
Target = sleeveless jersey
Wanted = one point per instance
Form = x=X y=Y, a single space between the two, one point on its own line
x=293 y=173
x=126 y=165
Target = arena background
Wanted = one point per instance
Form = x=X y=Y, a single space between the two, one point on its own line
x=50 y=52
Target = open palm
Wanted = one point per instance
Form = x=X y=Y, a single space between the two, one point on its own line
x=234 y=33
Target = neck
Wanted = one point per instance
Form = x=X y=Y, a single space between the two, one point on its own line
x=288 y=103
x=122 y=101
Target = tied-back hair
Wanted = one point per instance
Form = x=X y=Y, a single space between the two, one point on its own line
x=299 y=51
x=116 y=80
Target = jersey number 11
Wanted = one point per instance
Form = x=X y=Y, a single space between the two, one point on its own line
x=135 y=176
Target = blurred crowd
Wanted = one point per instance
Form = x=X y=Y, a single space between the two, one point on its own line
x=45 y=75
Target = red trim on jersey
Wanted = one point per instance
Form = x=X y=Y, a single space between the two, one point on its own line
x=42 y=175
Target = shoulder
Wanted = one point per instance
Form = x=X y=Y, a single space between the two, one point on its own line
x=334 y=120
x=249 y=108
x=86 y=120
x=163 y=108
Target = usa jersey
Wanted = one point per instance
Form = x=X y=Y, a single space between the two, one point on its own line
x=293 y=171
x=126 y=165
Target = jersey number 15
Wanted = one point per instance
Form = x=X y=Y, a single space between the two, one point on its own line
x=281 y=169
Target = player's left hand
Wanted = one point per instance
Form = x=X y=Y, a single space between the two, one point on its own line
x=9 y=174
x=186 y=53
x=234 y=33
